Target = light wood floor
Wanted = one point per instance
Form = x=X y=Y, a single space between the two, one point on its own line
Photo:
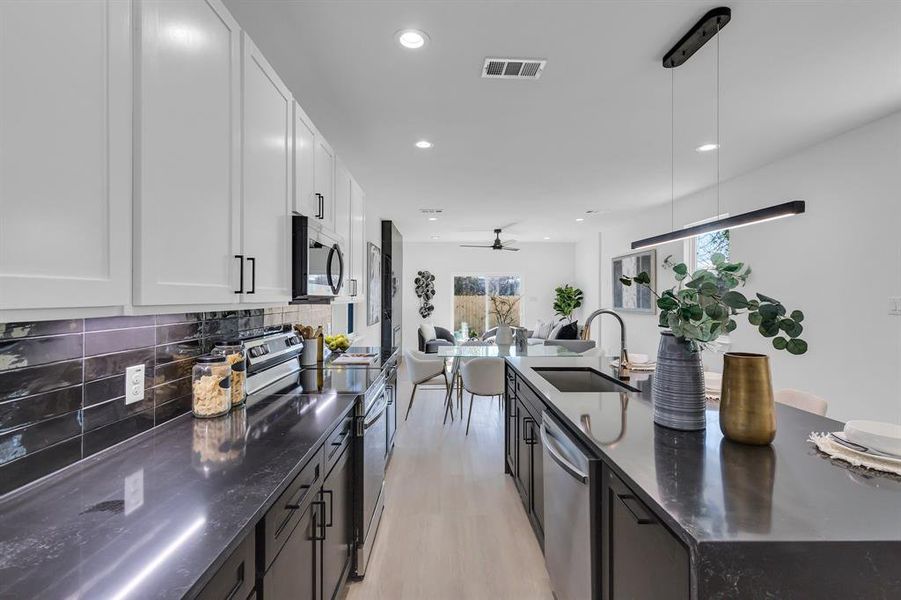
x=454 y=526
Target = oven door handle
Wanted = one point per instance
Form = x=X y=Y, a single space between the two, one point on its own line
x=379 y=413
x=567 y=466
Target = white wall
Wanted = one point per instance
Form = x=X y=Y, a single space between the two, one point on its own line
x=542 y=267
x=840 y=263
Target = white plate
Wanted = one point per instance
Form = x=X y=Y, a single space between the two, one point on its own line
x=878 y=435
x=888 y=459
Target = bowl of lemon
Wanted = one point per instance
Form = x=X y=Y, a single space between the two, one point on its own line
x=337 y=343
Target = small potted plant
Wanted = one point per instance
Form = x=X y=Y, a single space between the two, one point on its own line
x=567 y=300
x=698 y=310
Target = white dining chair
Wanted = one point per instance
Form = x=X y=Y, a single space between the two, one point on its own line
x=482 y=377
x=422 y=368
x=803 y=401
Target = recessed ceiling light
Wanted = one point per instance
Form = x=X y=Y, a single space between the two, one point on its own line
x=580 y=219
x=424 y=144
x=433 y=218
x=547 y=238
x=707 y=147
x=435 y=237
x=412 y=38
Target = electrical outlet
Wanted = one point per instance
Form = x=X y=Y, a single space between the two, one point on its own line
x=894 y=306
x=134 y=384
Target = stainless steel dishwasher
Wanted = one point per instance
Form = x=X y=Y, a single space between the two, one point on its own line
x=567 y=514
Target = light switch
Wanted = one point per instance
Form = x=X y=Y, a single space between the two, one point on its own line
x=894 y=306
x=134 y=384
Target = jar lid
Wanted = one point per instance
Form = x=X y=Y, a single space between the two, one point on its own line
x=209 y=358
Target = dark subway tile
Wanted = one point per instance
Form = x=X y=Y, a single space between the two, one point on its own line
x=34 y=466
x=31 y=409
x=30 y=352
x=172 y=371
x=112 y=411
x=167 y=334
x=250 y=322
x=107 y=365
x=107 y=342
x=222 y=314
x=34 y=380
x=178 y=351
x=171 y=390
x=32 y=438
x=108 y=388
x=100 y=439
x=172 y=409
x=104 y=323
x=179 y=318
x=221 y=328
x=38 y=328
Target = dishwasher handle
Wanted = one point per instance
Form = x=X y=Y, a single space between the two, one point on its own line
x=553 y=449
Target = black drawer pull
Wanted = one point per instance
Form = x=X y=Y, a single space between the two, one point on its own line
x=240 y=258
x=240 y=582
x=319 y=522
x=331 y=507
x=636 y=509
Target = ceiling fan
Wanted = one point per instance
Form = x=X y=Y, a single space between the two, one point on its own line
x=497 y=245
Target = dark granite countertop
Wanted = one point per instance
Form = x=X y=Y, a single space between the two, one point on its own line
x=709 y=489
x=155 y=516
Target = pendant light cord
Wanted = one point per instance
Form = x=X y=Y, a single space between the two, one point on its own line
x=672 y=149
x=719 y=148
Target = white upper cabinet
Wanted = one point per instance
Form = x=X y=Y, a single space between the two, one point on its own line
x=357 y=240
x=342 y=221
x=325 y=182
x=267 y=126
x=187 y=163
x=65 y=154
x=306 y=202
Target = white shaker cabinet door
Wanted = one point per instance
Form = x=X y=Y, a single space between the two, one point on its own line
x=65 y=153
x=266 y=180
x=325 y=182
x=306 y=202
x=187 y=209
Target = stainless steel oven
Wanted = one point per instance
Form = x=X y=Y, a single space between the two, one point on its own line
x=372 y=447
x=317 y=261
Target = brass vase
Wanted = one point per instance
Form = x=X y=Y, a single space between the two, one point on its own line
x=747 y=410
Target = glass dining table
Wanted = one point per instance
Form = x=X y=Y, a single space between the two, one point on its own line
x=458 y=354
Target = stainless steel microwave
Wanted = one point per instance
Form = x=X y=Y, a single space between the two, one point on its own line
x=317 y=261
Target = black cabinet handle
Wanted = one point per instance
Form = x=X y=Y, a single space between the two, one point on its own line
x=637 y=509
x=240 y=581
x=253 y=275
x=321 y=214
x=240 y=258
x=319 y=522
x=331 y=506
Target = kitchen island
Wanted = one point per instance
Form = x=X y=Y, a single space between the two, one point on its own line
x=721 y=520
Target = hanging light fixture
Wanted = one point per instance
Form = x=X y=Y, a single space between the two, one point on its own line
x=702 y=32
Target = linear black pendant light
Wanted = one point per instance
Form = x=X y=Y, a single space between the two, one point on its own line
x=701 y=33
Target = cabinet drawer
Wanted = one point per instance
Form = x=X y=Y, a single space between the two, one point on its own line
x=281 y=519
x=235 y=578
x=338 y=441
x=641 y=544
x=530 y=399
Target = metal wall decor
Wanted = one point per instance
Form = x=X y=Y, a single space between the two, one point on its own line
x=425 y=291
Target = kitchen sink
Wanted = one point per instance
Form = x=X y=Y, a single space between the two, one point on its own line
x=583 y=379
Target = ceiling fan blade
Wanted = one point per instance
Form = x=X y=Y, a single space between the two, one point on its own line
x=508 y=242
x=474 y=246
x=511 y=249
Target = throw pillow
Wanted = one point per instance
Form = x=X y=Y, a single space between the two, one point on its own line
x=540 y=330
x=428 y=332
x=545 y=331
x=569 y=331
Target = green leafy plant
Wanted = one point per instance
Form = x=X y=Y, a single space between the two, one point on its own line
x=568 y=299
x=473 y=334
x=702 y=306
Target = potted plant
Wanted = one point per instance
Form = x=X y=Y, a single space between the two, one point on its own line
x=698 y=310
x=567 y=300
x=504 y=310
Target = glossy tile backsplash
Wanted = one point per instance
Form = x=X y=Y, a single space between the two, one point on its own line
x=62 y=383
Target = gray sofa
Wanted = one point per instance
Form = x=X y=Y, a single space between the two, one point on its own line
x=572 y=345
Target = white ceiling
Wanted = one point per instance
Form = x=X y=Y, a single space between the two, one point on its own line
x=594 y=132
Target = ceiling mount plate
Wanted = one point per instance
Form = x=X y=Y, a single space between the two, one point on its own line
x=702 y=32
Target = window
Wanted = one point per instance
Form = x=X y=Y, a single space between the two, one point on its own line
x=700 y=249
x=481 y=301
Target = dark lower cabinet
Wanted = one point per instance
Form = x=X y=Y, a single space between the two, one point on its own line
x=644 y=560
x=524 y=452
x=336 y=547
x=235 y=578
x=295 y=573
x=510 y=432
x=537 y=457
x=524 y=433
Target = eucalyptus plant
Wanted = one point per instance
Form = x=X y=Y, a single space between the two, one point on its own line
x=567 y=300
x=702 y=306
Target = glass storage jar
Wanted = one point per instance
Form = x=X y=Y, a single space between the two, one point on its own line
x=211 y=384
x=236 y=355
